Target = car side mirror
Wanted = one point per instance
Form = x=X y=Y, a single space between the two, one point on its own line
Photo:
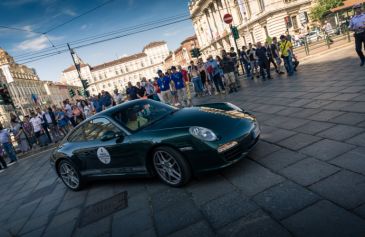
x=108 y=135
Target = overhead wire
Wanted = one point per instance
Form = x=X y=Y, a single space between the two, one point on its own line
x=79 y=43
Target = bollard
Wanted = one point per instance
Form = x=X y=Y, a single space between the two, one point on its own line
x=306 y=46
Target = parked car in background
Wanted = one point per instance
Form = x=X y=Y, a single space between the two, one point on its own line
x=314 y=36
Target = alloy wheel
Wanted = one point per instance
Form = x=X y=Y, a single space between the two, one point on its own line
x=167 y=167
x=69 y=175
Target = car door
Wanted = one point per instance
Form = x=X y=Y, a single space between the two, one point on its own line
x=111 y=154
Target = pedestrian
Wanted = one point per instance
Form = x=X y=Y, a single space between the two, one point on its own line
x=77 y=114
x=178 y=80
x=246 y=62
x=118 y=97
x=275 y=54
x=228 y=66
x=261 y=54
x=186 y=78
x=55 y=131
x=132 y=91
x=141 y=91
x=195 y=78
x=203 y=74
x=19 y=134
x=150 y=92
x=164 y=85
x=62 y=121
x=357 y=24
x=87 y=109
x=107 y=100
x=45 y=121
x=270 y=56
x=214 y=72
x=28 y=130
x=5 y=141
x=97 y=103
x=285 y=52
x=2 y=161
x=157 y=89
x=37 y=126
x=251 y=52
x=233 y=55
x=68 y=111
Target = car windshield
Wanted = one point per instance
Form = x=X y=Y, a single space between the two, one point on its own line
x=142 y=113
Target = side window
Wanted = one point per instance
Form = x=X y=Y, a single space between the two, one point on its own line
x=78 y=135
x=97 y=127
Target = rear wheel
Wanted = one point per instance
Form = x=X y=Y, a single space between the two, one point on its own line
x=69 y=175
x=171 y=166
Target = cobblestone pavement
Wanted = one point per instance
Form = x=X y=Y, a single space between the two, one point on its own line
x=306 y=177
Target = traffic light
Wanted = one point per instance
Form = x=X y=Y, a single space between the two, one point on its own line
x=85 y=84
x=195 y=53
x=79 y=92
x=71 y=92
x=86 y=93
x=5 y=97
x=235 y=32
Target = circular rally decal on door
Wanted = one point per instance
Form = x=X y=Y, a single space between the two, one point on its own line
x=103 y=155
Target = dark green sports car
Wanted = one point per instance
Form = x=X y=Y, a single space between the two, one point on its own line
x=147 y=138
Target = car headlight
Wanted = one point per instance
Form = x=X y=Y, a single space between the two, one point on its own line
x=204 y=134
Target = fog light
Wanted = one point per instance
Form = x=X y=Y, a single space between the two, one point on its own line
x=227 y=146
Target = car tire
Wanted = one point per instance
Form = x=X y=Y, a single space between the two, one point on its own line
x=67 y=169
x=171 y=167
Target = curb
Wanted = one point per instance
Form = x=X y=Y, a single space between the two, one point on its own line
x=34 y=152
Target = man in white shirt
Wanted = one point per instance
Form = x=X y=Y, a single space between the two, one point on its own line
x=37 y=125
x=68 y=110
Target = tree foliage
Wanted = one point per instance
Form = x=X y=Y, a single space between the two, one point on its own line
x=322 y=8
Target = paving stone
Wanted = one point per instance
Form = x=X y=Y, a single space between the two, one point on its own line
x=227 y=209
x=62 y=230
x=132 y=224
x=135 y=203
x=317 y=104
x=176 y=217
x=341 y=132
x=289 y=111
x=280 y=159
x=150 y=233
x=263 y=149
x=306 y=113
x=209 y=188
x=251 y=177
x=358 y=140
x=353 y=160
x=298 y=141
x=64 y=217
x=100 y=228
x=291 y=123
x=34 y=223
x=345 y=188
x=356 y=107
x=34 y=233
x=169 y=197
x=277 y=135
x=345 y=97
x=285 y=199
x=200 y=229
x=337 y=105
x=71 y=203
x=326 y=95
x=256 y=224
x=314 y=127
x=360 y=211
x=325 y=115
x=326 y=149
x=308 y=171
x=300 y=102
x=349 y=118
x=326 y=220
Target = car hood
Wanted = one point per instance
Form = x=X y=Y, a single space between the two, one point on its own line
x=220 y=121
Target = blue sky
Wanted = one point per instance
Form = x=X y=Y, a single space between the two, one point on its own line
x=41 y=15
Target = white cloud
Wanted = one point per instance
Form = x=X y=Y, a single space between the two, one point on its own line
x=35 y=44
x=83 y=27
x=171 y=33
x=69 y=12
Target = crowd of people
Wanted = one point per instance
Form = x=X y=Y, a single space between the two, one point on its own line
x=217 y=75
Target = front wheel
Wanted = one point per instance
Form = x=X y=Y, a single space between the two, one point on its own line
x=171 y=166
x=69 y=175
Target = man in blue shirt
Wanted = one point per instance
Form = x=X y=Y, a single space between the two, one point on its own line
x=177 y=78
x=213 y=70
x=164 y=83
x=7 y=145
x=107 y=100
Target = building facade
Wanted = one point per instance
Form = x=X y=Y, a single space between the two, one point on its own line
x=182 y=56
x=26 y=89
x=116 y=74
x=255 y=19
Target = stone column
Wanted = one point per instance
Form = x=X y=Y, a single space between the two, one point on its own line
x=209 y=26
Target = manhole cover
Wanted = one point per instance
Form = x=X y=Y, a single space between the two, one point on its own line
x=104 y=208
x=39 y=193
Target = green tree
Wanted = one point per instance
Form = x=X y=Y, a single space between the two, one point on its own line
x=322 y=8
